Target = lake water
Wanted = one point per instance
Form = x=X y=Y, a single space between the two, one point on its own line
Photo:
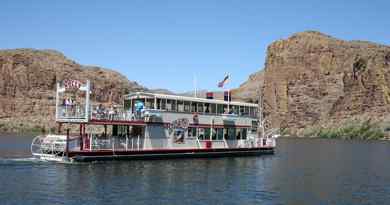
x=302 y=171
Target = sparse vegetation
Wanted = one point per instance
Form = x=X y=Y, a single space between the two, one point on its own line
x=361 y=130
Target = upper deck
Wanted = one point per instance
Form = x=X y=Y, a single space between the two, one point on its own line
x=154 y=107
x=185 y=104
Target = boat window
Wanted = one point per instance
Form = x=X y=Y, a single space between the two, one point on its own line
x=169 y=105
x=225 y=133
x=163 y=104
x=238 y=134
x=254 y=125
x=219 y=133
x=149 y=103
x=127 y=104
x=225 y=109
x=242 y=110
x=243 y=133
x=137 y=131
x=231 y=133
x=207 y=133
x=132 y=105
x=159 y=103
x=214 y=134
x=192 y=132
x=220 y=108
x=236 y=109
x=200 y=107
x=119 y=130
x=180 y=106
x=201 y=134
x=213 y=108
x=194 y=107
x=207 y=107
x=252 y=112
x=187 y=106
x=246 y=112
x=173 y=104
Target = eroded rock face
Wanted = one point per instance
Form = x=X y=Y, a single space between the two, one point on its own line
x=248 y=91
x=311 y=78
x=28 y=79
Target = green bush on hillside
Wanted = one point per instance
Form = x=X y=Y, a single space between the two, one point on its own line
x=363 y=130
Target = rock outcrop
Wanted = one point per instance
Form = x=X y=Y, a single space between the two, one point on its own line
x=312 y=78
x=248 y=91
x=27 y=86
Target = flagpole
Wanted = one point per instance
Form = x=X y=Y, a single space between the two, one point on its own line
x=228 y=101
x=195 y=87
x=222 y=85
x=228 y=90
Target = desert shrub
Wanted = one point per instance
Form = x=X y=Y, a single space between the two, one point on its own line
x=362 y=130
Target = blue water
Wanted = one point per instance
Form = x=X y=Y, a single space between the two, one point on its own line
x=302 y=171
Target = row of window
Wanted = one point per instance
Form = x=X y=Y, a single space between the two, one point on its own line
x=218 y=133
x=192 y=107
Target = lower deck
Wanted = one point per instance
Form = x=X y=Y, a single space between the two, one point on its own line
x=150 y=141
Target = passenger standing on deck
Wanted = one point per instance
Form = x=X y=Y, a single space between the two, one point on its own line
x=111 y=113
x=66 y=103
x=139 y=108
x=71 y=103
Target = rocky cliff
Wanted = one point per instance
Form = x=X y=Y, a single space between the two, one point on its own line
x=27 y=86
x=312 y=78
x=248 y=91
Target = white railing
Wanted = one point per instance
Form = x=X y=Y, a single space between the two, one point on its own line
x=71 y=112
x=214 y=143
x=119 y=115
x=123 y=143
x=56 y=145
x=95 y=142
x=265 y=142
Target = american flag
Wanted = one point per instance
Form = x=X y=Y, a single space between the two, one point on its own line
x=222 y=83
x=71 y=84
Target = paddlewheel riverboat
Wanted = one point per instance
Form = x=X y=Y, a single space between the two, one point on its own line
x=151 y=126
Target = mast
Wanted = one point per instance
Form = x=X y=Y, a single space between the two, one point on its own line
x=195 y=86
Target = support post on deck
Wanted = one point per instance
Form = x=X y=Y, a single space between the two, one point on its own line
x=90 y=142
x=59 y=128
x=81 y=136
x=67 y=144
x=84 y=134
x=138 y=142
x=127 y=142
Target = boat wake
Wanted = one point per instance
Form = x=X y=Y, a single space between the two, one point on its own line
x=21 y=160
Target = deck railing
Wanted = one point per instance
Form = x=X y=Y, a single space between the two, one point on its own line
x=94 y=142
x=120 y=143
x=71 y=112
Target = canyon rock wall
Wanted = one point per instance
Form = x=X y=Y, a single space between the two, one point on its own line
x=28 y=80
x=312 y=78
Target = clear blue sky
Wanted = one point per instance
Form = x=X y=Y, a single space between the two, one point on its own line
x=162 y=44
